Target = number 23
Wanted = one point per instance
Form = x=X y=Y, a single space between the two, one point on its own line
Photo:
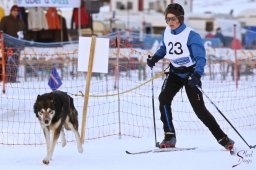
x=176 y=48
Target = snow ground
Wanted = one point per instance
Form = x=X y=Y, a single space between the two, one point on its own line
x=109 y=154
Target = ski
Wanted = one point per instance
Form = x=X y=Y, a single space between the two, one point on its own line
x=157 y=150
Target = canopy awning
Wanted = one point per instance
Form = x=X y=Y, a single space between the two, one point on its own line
x=49 y=3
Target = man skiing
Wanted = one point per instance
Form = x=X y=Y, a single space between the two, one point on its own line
x=184 y=47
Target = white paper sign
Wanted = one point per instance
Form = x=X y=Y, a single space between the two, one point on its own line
x=101 y=54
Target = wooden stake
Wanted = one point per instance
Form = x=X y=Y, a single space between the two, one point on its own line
x=87 y=89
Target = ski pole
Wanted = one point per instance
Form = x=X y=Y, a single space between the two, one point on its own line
x=200 y=89
x=153 y=107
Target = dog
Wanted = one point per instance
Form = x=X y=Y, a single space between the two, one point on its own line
x=56 y=111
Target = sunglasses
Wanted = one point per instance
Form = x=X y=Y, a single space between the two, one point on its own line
x=168 y=19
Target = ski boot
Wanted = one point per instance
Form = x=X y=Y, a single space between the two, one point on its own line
x=169 y=141
x=227 y=143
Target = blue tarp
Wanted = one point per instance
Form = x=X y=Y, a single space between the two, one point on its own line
x=250 y=37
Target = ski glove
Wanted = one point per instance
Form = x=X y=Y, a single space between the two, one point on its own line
x=194 y=80
x=151 y=61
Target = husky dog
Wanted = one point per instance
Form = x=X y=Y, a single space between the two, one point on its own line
x=56 y=111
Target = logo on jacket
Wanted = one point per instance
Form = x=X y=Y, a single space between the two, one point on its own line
x=181 y=61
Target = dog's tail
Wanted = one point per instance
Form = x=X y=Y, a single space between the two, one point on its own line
x=73 y=114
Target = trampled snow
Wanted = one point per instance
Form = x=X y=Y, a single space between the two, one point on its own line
x=109 y=154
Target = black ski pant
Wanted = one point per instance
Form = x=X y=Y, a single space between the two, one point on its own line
x=172 y=84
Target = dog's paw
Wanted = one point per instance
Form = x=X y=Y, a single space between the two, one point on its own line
x=46 y=161
x=80 y=149
x=64 y=143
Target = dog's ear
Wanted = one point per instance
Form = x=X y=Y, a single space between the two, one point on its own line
x=36 y=109
x=36 y=105
x=38 y=96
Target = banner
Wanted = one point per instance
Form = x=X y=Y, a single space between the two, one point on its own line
x=49 y=3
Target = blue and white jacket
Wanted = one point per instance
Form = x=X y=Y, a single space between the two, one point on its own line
x=196 y=50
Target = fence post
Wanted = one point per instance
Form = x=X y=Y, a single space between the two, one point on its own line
x=87 y=89
x=235 y=50
x=3 y=62
x=117 y=72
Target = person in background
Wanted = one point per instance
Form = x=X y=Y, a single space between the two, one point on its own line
x=184 y=47
x=13 y=26
x=209 y=30
x=209 y=35
x=220 y=36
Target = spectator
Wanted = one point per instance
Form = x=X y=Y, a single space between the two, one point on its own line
x=209 y=29
x=220 y=36
x=209 y=35
x=13 y=26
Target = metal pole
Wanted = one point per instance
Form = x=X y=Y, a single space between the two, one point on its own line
x=117 y=82
x=153 y=107
x=79 y=22
x=236 y=61
x=200 y=89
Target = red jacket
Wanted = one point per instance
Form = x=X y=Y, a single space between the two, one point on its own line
x=53 y=19
x=85 y=17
